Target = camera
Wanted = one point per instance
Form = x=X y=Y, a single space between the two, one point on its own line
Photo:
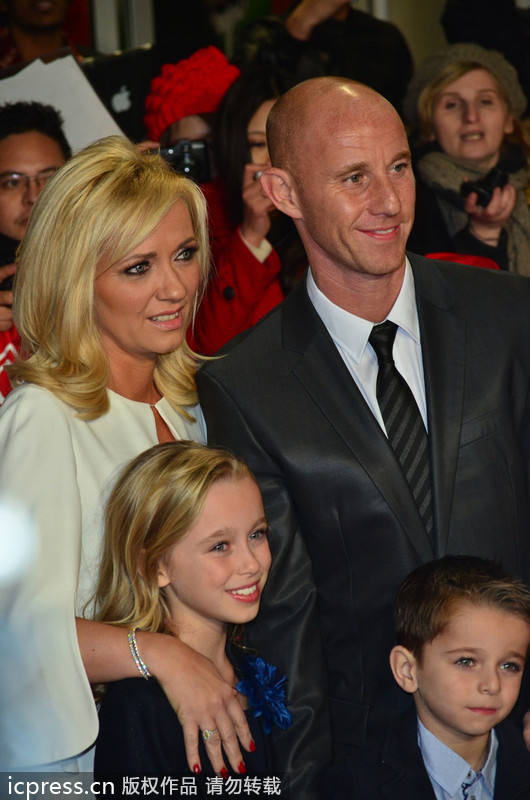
x=189 y=158
x=485 y=186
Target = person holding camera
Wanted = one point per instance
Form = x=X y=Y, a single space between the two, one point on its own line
x=210 y=122
x=471 y=153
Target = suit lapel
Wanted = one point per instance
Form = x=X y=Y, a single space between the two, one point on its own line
x=323 y=374
x=513 y=764
x=403 y=760
x=443 y=353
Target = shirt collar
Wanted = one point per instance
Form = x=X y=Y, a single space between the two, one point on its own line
x=350 y=331
x=447 y=768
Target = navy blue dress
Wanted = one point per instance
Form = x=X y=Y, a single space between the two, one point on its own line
x=140 y=735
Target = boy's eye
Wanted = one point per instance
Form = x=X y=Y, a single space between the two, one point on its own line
x=465 y=661
x=511 y=666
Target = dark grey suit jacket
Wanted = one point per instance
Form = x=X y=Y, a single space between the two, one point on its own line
x=391 y=767
x=344 y=527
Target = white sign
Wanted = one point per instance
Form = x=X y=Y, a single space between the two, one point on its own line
x=62 y=84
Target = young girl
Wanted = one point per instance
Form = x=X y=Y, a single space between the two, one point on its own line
x=186 y=553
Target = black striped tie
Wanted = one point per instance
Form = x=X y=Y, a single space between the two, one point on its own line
x=403 y=422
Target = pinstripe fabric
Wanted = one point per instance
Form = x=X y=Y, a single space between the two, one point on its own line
x=404 y=425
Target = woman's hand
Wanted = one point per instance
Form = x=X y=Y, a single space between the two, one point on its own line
x=256 y=206
x=193 y=686
x=487 y=223
x=202 y=699
x=6 y=299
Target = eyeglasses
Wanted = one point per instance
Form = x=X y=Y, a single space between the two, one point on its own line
x=19 y=182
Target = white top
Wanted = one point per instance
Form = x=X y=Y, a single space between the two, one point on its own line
x=61 y=469
x=350 y=336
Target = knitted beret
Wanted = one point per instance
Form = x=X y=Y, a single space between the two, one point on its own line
x=192 y=86
x=491 y=60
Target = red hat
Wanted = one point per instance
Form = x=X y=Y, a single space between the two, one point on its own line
x=194 y=85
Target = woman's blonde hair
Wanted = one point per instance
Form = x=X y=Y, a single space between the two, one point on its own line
x=448 y=75
x=99 y=206
x=157 y=499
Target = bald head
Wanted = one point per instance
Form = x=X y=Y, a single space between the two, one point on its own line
x=341 y=169
x=309 y=112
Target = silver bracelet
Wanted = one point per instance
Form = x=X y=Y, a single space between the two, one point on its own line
x=133 y=645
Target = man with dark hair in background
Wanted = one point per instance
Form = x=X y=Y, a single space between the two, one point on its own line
x=32 y=148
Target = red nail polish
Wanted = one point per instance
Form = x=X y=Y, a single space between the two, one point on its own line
x=196 y=769
x=241 y=768
x=252 y=746
x=224 y=772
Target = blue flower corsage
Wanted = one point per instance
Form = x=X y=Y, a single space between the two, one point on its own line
x=265 y=690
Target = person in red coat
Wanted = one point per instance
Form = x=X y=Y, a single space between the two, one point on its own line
x=181 y=106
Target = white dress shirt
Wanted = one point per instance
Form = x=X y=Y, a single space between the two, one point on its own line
x=350 y=335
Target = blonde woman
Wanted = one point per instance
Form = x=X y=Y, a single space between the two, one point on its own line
x=185 y=554
x=109 y=276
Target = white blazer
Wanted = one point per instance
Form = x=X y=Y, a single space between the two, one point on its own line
x=61 y=469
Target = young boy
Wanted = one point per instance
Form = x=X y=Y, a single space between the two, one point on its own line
x=462 y=632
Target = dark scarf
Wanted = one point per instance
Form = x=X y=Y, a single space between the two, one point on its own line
x=444 y=176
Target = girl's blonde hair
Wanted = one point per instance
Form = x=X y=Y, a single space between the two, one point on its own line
x=100 y=205
x=157 y=499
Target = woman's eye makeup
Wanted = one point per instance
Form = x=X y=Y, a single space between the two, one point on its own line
x=188 y=253
x=137 y=269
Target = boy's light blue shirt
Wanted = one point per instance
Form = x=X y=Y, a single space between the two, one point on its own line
x=452 y=778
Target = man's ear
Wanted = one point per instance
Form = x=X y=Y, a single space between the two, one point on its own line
x=279 y=188
x=403 y=664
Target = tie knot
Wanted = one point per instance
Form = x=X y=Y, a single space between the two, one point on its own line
x=382 y=340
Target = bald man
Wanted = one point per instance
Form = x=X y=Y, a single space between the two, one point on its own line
x=297 y=398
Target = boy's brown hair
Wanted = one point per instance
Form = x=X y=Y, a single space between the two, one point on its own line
x=426 y=598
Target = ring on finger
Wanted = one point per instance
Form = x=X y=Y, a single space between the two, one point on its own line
x=207 y=734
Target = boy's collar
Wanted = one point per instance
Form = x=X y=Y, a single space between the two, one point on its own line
x=449 y=770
